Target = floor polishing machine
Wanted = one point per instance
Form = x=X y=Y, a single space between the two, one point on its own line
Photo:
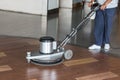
x=50 y=53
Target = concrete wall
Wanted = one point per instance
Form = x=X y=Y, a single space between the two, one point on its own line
x=53 y=4
x=66 y=3
x=26 y=6
x=40 y=7
x=77 y=1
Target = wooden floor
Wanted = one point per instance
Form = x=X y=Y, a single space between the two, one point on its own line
x=85 y=65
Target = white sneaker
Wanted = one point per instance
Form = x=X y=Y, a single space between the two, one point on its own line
x=94 y=47
x=107 y=46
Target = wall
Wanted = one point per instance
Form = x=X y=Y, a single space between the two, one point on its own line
x=66 y=3
x=35 y=6
x=77 y=1
x=53 y=4
x=26 y=6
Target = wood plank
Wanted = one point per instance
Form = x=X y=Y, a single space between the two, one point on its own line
x=99 y=76
x=5 y=68
x=79 y=61
x=2 y=54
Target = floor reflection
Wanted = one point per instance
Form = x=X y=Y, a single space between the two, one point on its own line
x=22 y=25
x=33 y=71
x=95 y=51
x=65 y=22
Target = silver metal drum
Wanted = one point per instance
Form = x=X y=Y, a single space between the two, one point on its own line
x=46 y=45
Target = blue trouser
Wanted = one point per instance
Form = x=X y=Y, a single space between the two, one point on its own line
x=103 y=25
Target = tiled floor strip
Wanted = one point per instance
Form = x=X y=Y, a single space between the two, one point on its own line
x=79 y=61
x=2 y=54
x=5 y=68
x=100 y=76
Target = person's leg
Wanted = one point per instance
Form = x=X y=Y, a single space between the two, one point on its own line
x=99 y=27
x=109 y=17
x=98 y=30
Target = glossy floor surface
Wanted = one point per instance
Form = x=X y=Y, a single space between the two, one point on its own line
x=20 y=33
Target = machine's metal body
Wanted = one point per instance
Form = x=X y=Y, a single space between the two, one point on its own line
x=50 y=53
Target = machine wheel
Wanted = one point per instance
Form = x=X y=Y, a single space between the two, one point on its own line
x=68 y=54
